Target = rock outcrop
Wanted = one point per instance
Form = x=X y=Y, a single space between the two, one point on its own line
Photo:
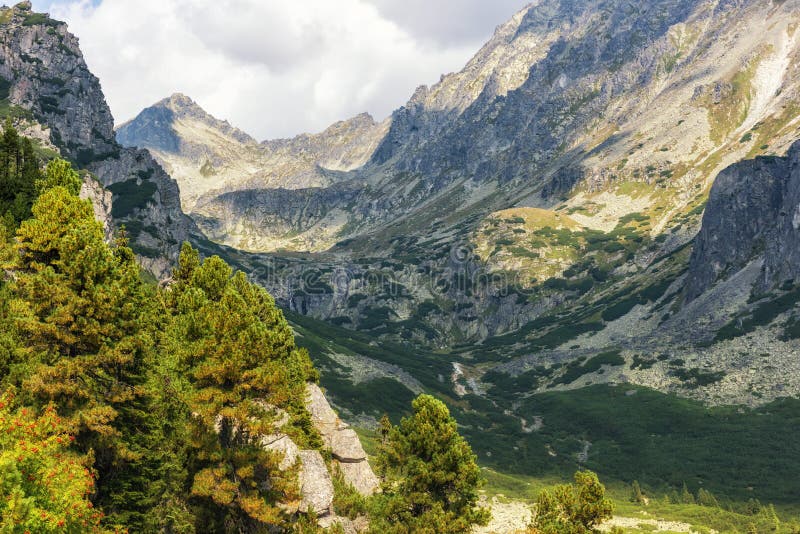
x=43 y=73
x=343 y=442
x=315 y=479
x=753 y=212
x=101 y=202
x=316 y=486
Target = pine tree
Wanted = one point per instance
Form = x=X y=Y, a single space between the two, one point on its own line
x=686 y=496
x=706 y=498
x=84 y=314
x=44 y=486
x=431 y=475
x=636 y=493
x=240 y=361
x=574 y=508
x=59 y=173
x=19 y=172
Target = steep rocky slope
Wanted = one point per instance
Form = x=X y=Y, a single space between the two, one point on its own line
x=48 y=88
x=618 y=115
x=539 y=208
x=223 y=172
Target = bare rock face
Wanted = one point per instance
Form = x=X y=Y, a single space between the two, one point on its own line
x=343 y=442
x=325 y=419
x=753 y=212
x=346 y=446
x=43 y=72
x=283 y=444
x=147 y=202
x=361 y=476
x=316 y=486
x=47 y=76
x=101 y=203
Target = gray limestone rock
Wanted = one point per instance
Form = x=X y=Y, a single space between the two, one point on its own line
x=346 y=447
x=361 y=476
x=316 y=486
x=753 y=211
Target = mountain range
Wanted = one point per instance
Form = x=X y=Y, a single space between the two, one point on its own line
x=563 y=173
x=601 y=208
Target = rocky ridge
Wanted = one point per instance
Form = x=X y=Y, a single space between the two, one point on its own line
x=223 y=171
x=607 y=113
x=44 y=77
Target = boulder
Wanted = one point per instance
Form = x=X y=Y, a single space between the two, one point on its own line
x=346 y=447
x=283 y=444
x=325 y=419
x=316 y=486
x=361 y=477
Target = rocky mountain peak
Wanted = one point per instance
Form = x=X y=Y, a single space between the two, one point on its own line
x=45 y=81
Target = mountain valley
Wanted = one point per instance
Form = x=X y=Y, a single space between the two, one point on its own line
x=585 y=242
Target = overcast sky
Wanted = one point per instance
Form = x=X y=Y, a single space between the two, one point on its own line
x=276 y=68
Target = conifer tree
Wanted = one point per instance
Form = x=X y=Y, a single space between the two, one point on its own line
x=19 y=172
x=431 y=475
x=84 y=314
x=577 y=508
x=706 y=498
x=636 y=493
x=44 y=486
x=238 y=354
x=686 y=495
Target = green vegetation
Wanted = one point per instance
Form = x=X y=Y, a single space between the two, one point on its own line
x=761 y=314
x=130 y=196
x=19 y=174
x=430 y=475
x=35 y=19
x=575 y=508
x=44 y=484
x=135 y=407
x=574 y=370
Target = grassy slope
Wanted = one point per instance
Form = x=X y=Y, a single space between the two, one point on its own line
x=635 y=433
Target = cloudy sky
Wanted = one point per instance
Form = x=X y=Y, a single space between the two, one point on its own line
x=276 y=68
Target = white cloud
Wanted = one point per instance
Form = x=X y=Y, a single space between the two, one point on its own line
x=272 y=67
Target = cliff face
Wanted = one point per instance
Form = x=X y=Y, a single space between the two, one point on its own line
x=753 y=214
x=42 y=72
x=45 y=73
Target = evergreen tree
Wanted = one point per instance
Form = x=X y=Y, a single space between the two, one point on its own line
x=44 y=486
x=706 y=498
x=19 y=172
x=431 y=475
x=84 y=314
x=240 y=361
x=59 y=173
x=573 y=508
x=636 y=493
x=686 y=496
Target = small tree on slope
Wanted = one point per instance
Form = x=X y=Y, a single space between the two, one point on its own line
x=431 y=475
x=573 y=508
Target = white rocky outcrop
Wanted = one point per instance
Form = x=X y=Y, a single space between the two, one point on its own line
x=316 y=486
x=343 y=442
x=316 y=483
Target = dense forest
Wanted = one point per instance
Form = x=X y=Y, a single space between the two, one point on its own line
x=124 y=404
